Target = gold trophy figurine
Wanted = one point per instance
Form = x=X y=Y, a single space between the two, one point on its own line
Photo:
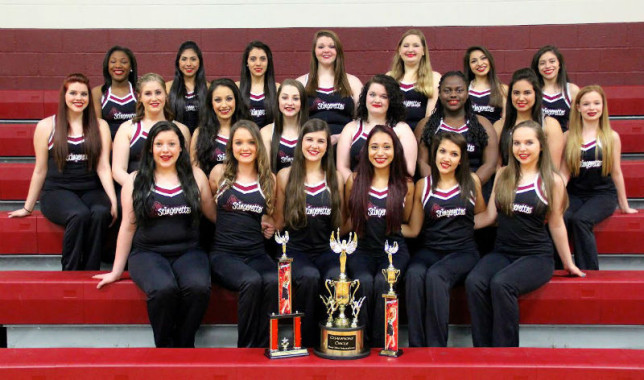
x=342 y=338
x=391 y=305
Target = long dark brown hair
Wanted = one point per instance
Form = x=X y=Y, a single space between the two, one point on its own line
x=340 y=80
x=397 y=187
x=269 y=79
x=562 y=75
x=295 y=202
x=496 y=87
x=462 y=173
x=278 y=126
x=91 y=132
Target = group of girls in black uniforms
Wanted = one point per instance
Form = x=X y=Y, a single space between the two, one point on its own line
x=191 y=155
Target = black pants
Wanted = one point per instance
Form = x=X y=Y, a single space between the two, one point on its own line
x=309 y=274
x=254 y=276
x=367 y=267
x=493 y=289
x=430 y=277
x=85 y=216
x=580 y=218
x=177 y=290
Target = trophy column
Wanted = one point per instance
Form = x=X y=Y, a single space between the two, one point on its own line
x=285 y=327
x=391 y=306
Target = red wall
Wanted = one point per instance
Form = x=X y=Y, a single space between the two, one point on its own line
x=608 y=54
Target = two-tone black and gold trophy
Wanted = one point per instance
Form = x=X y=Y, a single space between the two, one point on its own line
x=285 y=327
x=340 y=337
x=391 y=305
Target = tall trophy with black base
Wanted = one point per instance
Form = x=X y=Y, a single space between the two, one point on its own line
x=340 y=337
x=285 y=327
x=391 y=305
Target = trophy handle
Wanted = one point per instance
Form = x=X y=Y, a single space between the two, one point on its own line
x=357 y=283
x=326 y=285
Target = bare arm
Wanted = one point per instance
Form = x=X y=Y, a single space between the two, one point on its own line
x=564 y=170
x=103 y=169
x=431 y=102
x=479 y=203
x=343 y=150
x=487 y=217
x=185 y=131
x=346 y=227
x=193 y=148
x=554 y=136
x=207 y=204
x=267 y=137
x=618 y=177
x=558 y=228
x=412 y=228
x=356 y=88
x=410 y=147
x=96 y=98
x=280 y=198
x=121 y=153
x=423 y=151
x=490 y=153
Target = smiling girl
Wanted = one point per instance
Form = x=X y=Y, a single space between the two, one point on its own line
x=486 y=91
x=257 y=82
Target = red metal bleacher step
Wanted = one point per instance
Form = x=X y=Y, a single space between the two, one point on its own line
x=625 y=100
x=16 y=140
x=28 y=104
x=631 y=134
x=29 y=235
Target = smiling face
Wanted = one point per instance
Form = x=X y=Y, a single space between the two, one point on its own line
x=411 y=49
x=453 y=93
x=523 y=96
x=244 y=146
x=377 y=100
x=479 y=63
x=166 y=149
x=152 y=97
x=257 y=62
x=189 y=63
x=325 y=51
x=448 y=157
x=591 y=106
x=549 y=65
x=77 y=97
x=525 y=145
x=289 y=101
x=223 y=102
x=119 y=66
x=314 y=145
x=381 y=150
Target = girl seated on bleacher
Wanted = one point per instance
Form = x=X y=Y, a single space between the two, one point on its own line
x=162 y=203
x=73 y=172
x=592 y=164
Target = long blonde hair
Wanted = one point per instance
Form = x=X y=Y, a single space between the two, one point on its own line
x=262 y=164
x=506 y=185
x=425 y=75
x=572 y=152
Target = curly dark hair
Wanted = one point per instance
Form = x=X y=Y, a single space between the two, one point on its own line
x=396 y=111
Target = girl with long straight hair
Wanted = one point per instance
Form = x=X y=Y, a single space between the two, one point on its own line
x=487 y=93
x=257 y=82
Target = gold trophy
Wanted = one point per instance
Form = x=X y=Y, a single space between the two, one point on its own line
x=340 y=337
x=286 y=324
x=391 y=305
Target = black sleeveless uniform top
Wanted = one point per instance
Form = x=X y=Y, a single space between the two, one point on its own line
x=169 y=231
x=590 y=180
x=191 y=111
x=314 y=238
x=239 y=216
x=474 y=148
x=329 y=106
x=524 y=232
x=116 y=110
x=285 y=153
x=415 y=103
x=137 y=142
x=375 y=232
x=258 y=109
x=75 y=175
x=481 y=105
x=558 y=107
x=219 y=153
x=449 y=220
x=358 y=141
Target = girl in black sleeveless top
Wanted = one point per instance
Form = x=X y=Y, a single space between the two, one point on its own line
x=527 y=193
x=245 y=191
x=158 y=238
x=592 y=162
x=379 y=197
x=444 y=206
x=73 y=171
x=257 y=82
x=487 y=93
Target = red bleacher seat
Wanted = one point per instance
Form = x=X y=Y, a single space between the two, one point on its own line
x=28 y=104
x=621 y=233
x=631 y=133
x=625 y=100
x=17 y=140
x=14 y=180
x=633 y=178
x=250 y=363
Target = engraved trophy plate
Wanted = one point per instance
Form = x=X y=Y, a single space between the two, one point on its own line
x=342 y=337
x=391 y=305
x=285 y=327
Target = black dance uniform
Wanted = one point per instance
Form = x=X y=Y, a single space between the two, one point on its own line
x=74 y=198
x=558 y=107
x=258 y=109
x=520 y=263
x=476 y=143
x=358 y=141
x=330 y=106
x=313 y=259
x=285 y=153
x=593 y=198
x=446 y=256
x=481 y=105
x=367 y=262
x=139 y=137
x=239 y=262
x=219 y=154
x=415 y=103
x=117 y=110
x=167 y=265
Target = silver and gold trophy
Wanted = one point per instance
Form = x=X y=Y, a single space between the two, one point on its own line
x=342 y=337
x=391 y=305
x=285 y=327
